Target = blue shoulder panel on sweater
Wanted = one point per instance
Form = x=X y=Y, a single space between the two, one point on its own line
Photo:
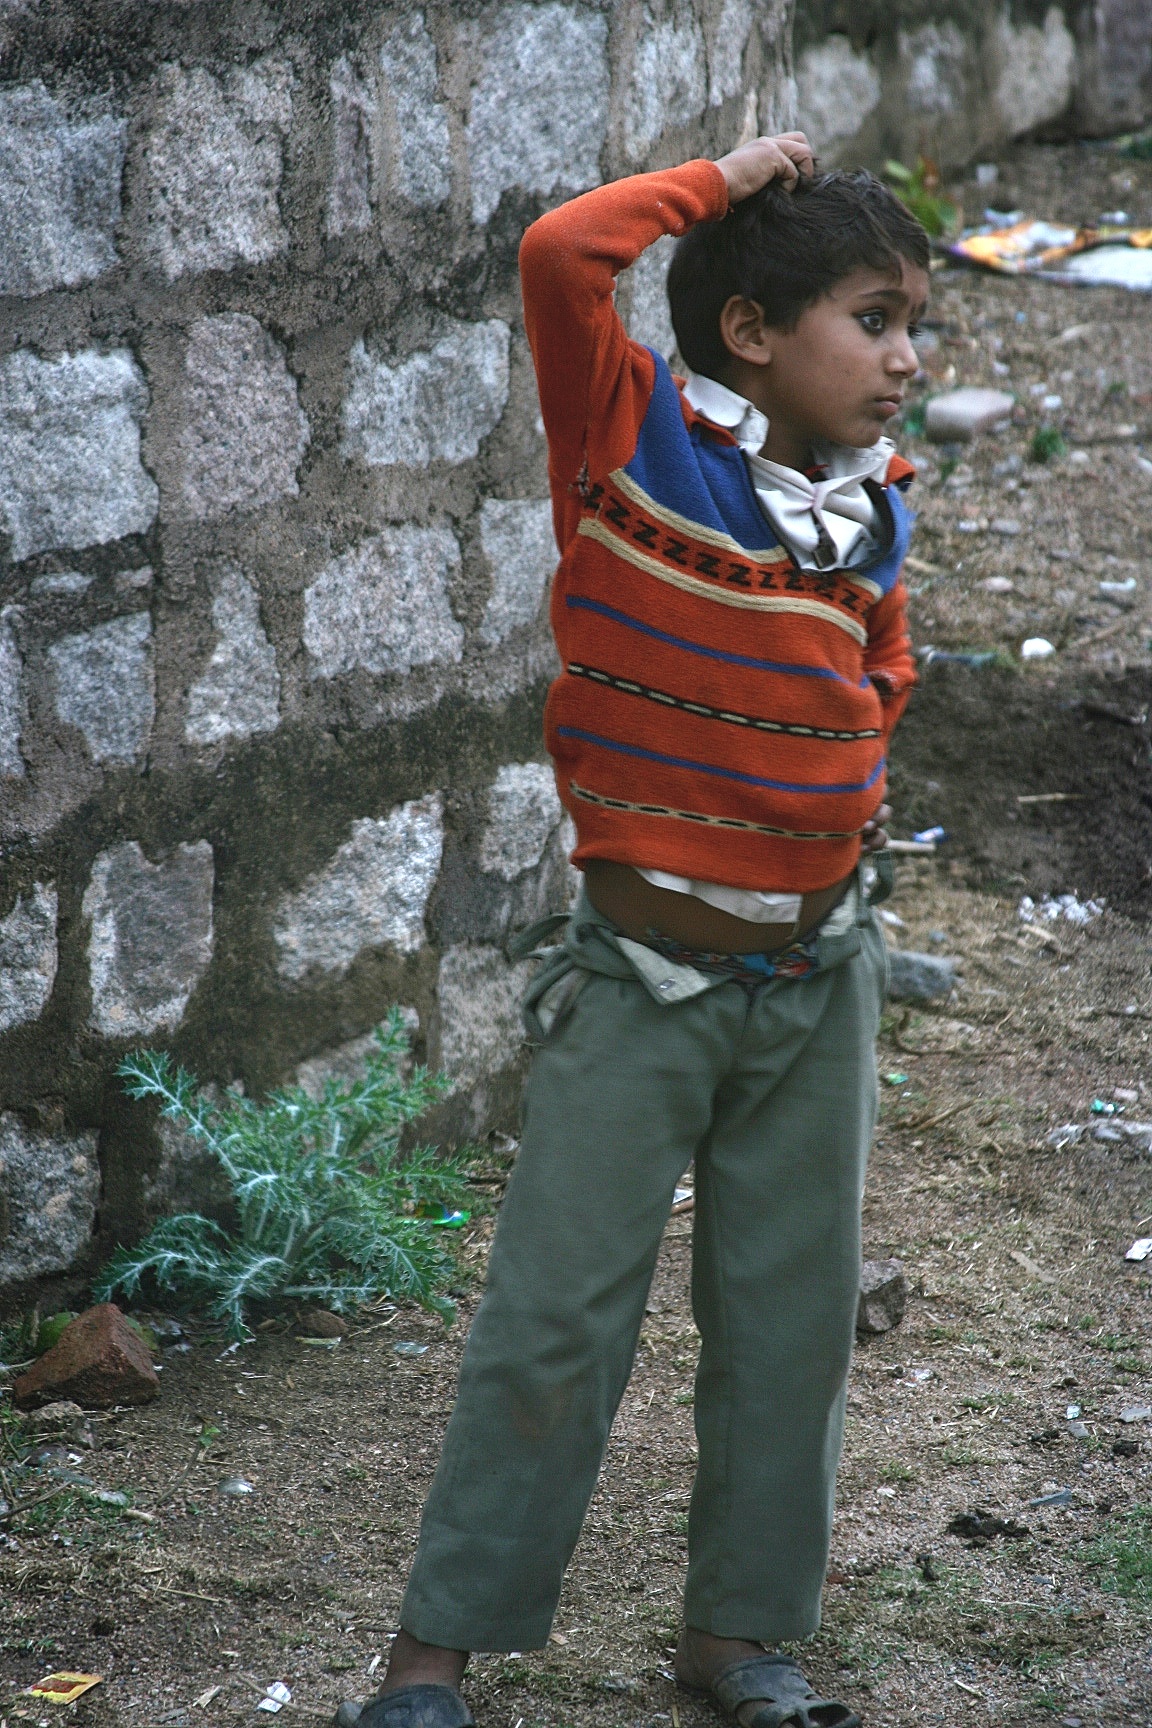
x=886 y=569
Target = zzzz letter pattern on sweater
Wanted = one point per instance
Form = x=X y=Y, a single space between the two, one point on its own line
x=721 y=713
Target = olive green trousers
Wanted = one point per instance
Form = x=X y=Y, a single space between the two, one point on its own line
x=772 y=1090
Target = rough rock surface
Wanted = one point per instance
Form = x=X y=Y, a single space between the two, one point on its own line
x=420 y=148
x=1037 y=72
x=669 y=81
x=436 y=405
x=105 y=687
x=185 y=1178
x=480 y=1026
x=524 y=811
x=883 y=1296
x=238 y=693
x=384 y=605
x=920 y=977
x=353 y=120
x=532 y=123
x=151 y=936
x=213 y=167
x=11 y=704
x=49 y=1186
x=99 y=1361
x=727 y=45
x=520 y=550
x=59 y=193
x=244 y=431
x=28 y=956
x=649 y=319
x=372 y=894
x=70 y=470
x=837 y=89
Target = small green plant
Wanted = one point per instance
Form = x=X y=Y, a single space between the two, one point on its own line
x=919 y=189
x=1047 y=442
x=329 y=1208
x=1123 y=1552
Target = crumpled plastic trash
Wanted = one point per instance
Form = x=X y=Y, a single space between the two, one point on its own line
x=275 y=1698
x=1051 y=908
x=1019 y=245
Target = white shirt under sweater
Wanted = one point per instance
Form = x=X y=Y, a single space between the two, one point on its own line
x=825 y=524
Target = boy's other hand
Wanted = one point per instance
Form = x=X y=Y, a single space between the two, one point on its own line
x=753 y=165
x=874 y=835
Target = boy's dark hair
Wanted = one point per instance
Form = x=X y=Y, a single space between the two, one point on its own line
x=785 y=250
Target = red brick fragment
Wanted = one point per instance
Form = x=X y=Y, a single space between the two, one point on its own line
x=97 y=1361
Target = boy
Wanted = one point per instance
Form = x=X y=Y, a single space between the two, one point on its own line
x=730 y=618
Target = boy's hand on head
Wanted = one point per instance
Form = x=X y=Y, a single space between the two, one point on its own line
x=753 y=165
x=874 y=836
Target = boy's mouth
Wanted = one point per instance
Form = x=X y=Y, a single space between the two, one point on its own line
x=889 y=405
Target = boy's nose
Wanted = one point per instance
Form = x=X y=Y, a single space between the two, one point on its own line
x=903 y=359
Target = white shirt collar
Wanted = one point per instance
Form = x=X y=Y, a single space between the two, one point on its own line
x=726 y=408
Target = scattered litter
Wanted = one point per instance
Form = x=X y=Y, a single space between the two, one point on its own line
x=319 y=1343
x=1036 y=648
x=892 y=918
x=987 y=173
x=1051 y=908
x=1005 y=525
x=979 y=1527
x=275 y=1698
x=1072 y=1412
x=1118 y=590
x=937 y=834
x=683 y=1199
x=406 y=1348
x=1126 y=1094
x=236 y=1487
x=206 y=1698
x=920 y=1375
x=1136 y=1413
x=997 y=585
x=64 y=1687
x=1100 y=1107
x=1018 y=245
x=1030 y=1266
x=957 y=656
x=443 y=1217
x=895 y=1078
x=1059 y=1497
x=1068 y=1134
x=957 y=415
x=1140 y=1249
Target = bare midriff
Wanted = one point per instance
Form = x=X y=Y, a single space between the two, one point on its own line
x=638 y=907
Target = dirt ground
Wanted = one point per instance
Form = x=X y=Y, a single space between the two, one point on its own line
x=1022 y=1303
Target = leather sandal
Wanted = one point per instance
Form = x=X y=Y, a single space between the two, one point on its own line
x=776 y=1683
x=420 y=1706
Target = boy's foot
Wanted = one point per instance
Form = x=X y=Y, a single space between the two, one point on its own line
x=757 y=1689
x=421 y=1690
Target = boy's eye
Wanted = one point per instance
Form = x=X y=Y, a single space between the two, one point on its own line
x=915 y=331
x=874 y=322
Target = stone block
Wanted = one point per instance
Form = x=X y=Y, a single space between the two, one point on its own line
x=1037 y=72
x=371 y=894
x=436 y=405
x=244 y=431
x=346 y=1063
x=479 y=992
x=186 y=1177
x=524 y=811
x=28 y=957
x=837 y=89
x=726 y=48
x=669 y=84
x=105 y=687
x=1114 y=67
x=539 y=111
x=59 y=193
x=419 y=145
x=49 y=1186
x=957 y=415
x=11 y=703
x=935 y=73
x=238 y=693
x=213 y=165
x=99 y=1361
x=519 y=548
x=384 y=605
x=883 y=1296
x=70 y=470
x=350 y=181
x=151 y=936
x=649 y=318
x=920 y=977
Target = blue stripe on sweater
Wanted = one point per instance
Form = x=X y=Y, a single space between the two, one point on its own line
x=579 y=603
x=720 y=773
x=708 y=482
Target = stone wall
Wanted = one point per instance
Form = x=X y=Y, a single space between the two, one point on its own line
x=961 y=79
x=275 y=539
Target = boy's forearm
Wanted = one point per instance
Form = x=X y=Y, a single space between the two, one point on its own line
x=888 y=658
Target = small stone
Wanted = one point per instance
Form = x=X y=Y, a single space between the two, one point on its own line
x=49 y=1187
x=321 y=1323
x=213 y=167
x=1006 y=525
x=28 y=956
x=957 y=415
x=384 y=605
x=151 y=936
x=519 y=547
x=407 y=1348
x=420 y=154
x=99 y=1362
x=70 y=469
x=1125 y=1448
x=524 y=811
x=105 y=687
x=1136 y=1413
x=64 y=1419
x=372 y=893
x=59 y=193
x=997 y=585
x=531 y=124
x=236 y=1487
x=244 y=432
x=438 y=404
x=920 y=977
x=1036 y=648
x=238 y=693
x=883 y=1296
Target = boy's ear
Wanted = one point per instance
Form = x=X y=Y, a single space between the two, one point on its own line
x=743 y=330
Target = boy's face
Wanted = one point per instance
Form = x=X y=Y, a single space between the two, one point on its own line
x=841 y=374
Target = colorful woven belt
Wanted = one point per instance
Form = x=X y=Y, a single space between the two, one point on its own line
x=797 y=960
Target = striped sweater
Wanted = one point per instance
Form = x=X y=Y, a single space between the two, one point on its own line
x=720 y=713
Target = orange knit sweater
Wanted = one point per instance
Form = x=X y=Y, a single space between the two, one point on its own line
x=721 y=713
